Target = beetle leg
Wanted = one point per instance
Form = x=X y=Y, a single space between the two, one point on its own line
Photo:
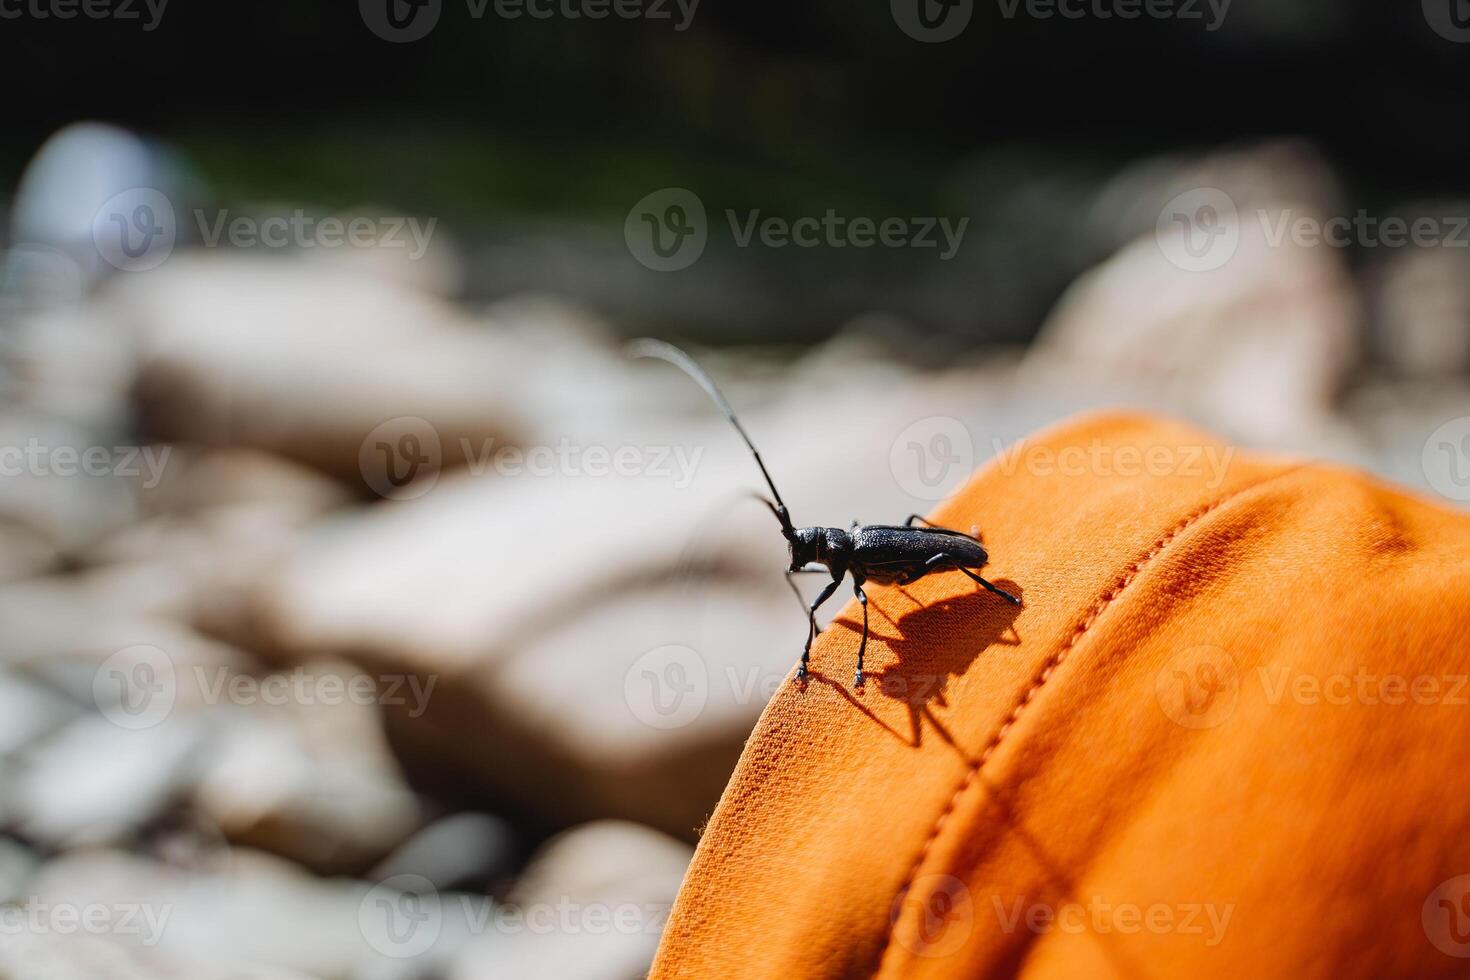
x=939 y=527
x=812 y=630
x=946 y=556
x=862 y=597
x=993 y=588
x=811 y=614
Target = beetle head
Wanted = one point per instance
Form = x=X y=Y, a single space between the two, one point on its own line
x=819 y=545
x=803 y=542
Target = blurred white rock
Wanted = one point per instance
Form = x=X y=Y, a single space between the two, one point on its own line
x=50 y=485
x=95 y=782
x=454 y=852
x=1261 y=344
x=29 y=710
x=63 y=955
x=263 y=910
x=591 y=906
x=1420 y=300
x=300 y=768
x=200 y=480
x=73 y=175
x=1272 y=175
x=307 y=360
x=17 y=864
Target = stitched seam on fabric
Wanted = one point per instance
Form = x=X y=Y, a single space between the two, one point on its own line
x=1048 y=668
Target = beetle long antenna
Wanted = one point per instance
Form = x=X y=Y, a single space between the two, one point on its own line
x=648 y=347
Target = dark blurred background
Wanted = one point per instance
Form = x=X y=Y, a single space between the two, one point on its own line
x=547 y=129
x=349 y=654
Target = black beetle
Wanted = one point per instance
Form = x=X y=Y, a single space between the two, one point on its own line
x=882 y=553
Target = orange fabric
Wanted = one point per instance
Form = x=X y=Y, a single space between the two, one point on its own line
x=1131 y=775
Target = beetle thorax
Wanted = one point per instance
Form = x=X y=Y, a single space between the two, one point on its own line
x=830 y=546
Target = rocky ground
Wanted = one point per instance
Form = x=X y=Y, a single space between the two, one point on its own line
x=355 y=633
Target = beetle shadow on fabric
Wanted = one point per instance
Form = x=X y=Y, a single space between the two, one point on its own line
x=932 y=644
